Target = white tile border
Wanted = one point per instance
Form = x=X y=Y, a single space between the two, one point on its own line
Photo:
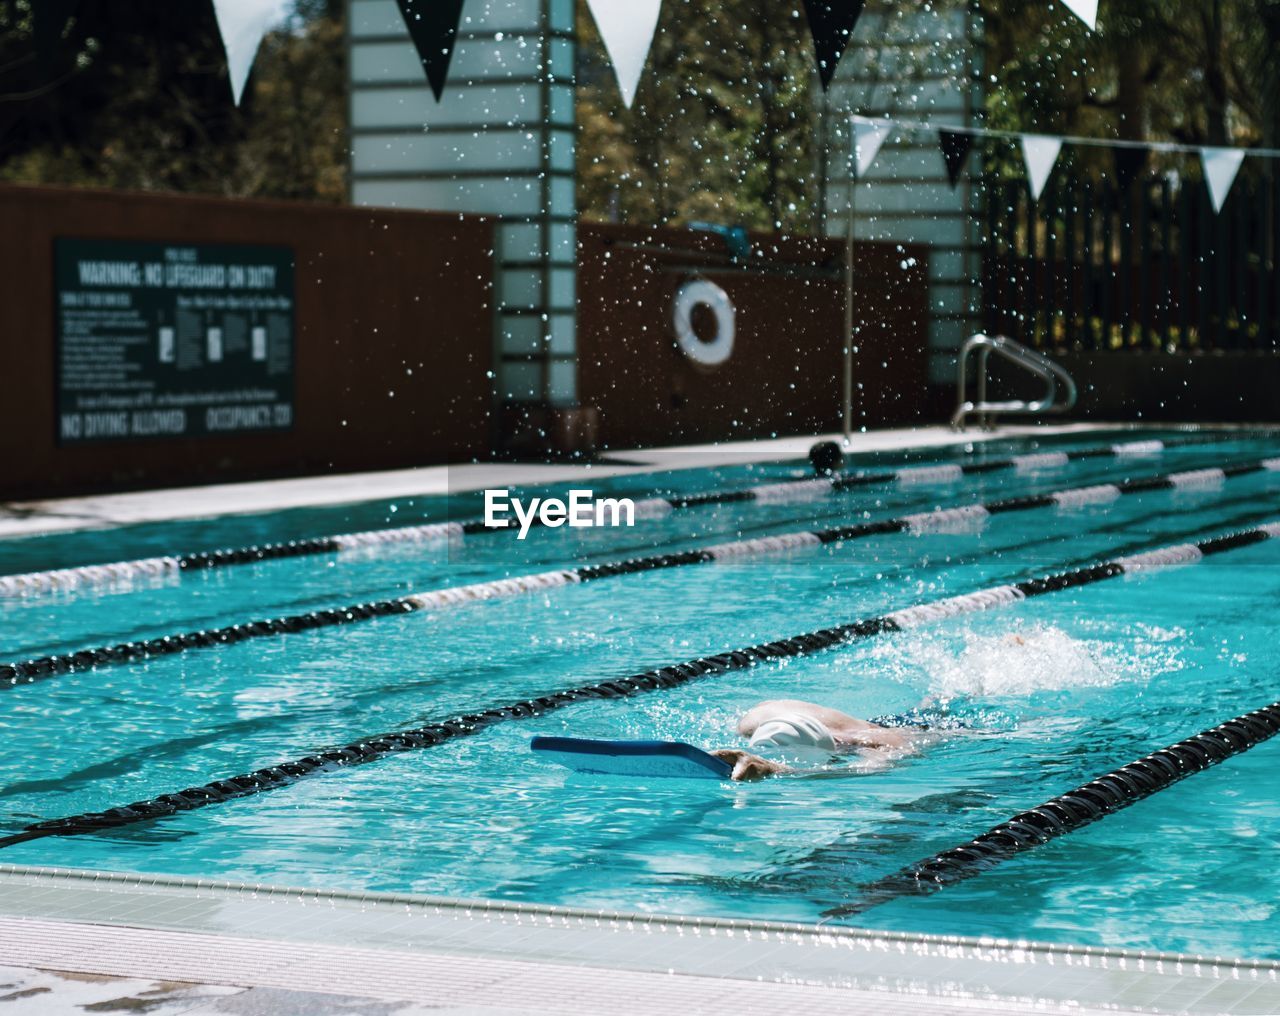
x=438 y=982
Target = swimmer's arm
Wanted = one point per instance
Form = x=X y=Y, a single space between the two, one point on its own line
x=750 y=767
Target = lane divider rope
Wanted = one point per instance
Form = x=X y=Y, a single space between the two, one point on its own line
x=941 y=520
x=1102 y=796
x=1040 y=460
x=1199 y=478
x=1079 y=496
x=123 y=572
x=1138 y=448
x=812 y=488
x=433 y=734
x=116 y=572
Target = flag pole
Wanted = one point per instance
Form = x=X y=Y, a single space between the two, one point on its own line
x=847 y=387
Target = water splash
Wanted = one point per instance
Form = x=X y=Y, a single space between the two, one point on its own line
x=1030 y=658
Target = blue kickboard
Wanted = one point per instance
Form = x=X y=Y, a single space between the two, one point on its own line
x=632 y=758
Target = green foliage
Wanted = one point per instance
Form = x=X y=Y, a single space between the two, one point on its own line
x=723 y=126
x=138 y=98
x=1191 y=71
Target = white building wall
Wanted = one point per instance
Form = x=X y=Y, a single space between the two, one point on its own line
x=500 y=142
x=918 y=67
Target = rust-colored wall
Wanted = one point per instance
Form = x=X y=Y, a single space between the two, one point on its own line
x=386 y=302
x=784 y=374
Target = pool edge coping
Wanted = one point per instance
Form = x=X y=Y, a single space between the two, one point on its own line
x=21 y=519
x=148 y=880
x=956 y=969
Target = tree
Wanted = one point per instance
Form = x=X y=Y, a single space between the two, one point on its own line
x=1260 y=79
x=137 y=97
x=723 y=127
x=1194 y=71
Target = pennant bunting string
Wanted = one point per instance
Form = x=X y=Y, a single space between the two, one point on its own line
x=1067 y=139
x=868 y=136
x=243 y=23
x=1039 y=154
x=831 y=22
x=627 y=28
x=1085 y=10
x=433 y=27
x=955 y=149
x=1220 y=168
x=1129 y=162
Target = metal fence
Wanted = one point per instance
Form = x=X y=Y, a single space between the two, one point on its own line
x=1096 y=267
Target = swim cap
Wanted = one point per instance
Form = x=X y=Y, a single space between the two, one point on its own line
x=796 y=732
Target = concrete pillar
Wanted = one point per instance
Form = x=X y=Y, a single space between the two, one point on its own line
x=501 y=143
x=916 y=67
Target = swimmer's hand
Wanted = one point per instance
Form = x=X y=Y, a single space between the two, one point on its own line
x=747 y=766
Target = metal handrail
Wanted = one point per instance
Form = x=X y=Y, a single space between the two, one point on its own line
x=1018 y=354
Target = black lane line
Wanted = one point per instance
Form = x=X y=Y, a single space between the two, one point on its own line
x=433 y=734
x=1102 y=796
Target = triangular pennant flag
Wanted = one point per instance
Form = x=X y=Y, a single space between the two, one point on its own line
x=433 y=26
x=1129 y=162
x=868 y=136
x=1220 y=168
x=51 y=17
x=831 y=23
x=955 y=149
x=627 y=28
x=1085 y=10
x=243 y=23
x=1039 y=153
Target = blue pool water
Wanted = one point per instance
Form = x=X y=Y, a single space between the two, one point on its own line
x=1097 y=677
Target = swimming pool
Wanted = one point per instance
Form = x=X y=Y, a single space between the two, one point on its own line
x=1099 y=675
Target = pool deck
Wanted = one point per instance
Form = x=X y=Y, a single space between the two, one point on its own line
x=33 y=518
x=84 y=941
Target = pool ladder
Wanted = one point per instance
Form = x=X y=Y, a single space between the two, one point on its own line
x=1016 y=353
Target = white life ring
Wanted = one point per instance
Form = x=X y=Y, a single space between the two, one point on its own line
x=708 y=294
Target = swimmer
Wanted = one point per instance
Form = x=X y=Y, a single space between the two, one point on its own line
x=810 y=729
